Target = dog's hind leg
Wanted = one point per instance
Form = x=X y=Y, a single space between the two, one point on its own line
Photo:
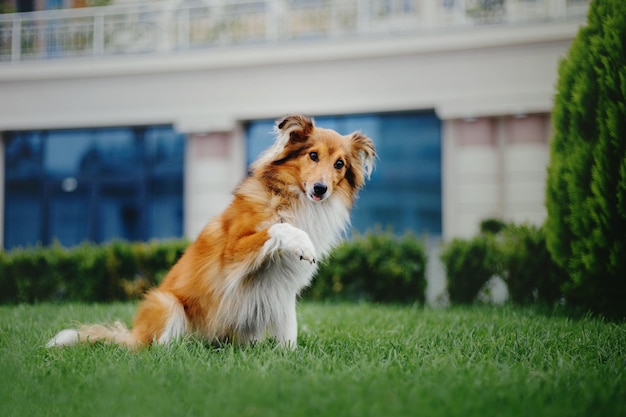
x=161 y=318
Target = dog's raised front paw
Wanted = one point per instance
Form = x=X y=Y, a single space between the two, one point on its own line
x=292 y=239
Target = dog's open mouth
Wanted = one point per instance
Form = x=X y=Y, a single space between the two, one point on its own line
x=315 y=197
x=318 y=192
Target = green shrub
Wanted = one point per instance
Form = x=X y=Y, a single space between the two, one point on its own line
x=31 y=273
x=586 y=185
x=527 y=268
x=469 y=265
x=376 y=267
x=7 y=285
x=516 y=253
x=80 y=274
x=115 y=271
x=493 y=226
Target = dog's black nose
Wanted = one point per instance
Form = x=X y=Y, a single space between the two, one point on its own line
x=319 y=189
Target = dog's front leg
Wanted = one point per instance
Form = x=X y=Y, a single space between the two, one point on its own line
x=277 y=240
x=284 y=237
x=286 y=329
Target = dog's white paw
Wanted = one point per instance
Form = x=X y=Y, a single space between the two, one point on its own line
x=288 y=238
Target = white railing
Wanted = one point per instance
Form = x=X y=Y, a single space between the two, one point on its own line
x=166 y=27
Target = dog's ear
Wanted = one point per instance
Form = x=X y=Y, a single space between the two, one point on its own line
x=295 y=127
x=363 y=151
x=291 y=133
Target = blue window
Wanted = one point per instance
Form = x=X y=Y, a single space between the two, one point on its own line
x=405 y=190
x=93 y=185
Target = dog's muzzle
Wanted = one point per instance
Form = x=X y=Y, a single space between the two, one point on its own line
x=319 y=191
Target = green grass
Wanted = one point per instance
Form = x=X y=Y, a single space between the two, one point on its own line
x=352 y=360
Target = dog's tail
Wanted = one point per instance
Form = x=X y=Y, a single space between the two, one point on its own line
x=116 y=333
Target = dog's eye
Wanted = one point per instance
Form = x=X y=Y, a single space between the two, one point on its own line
x=314 y=157
x=339 y=164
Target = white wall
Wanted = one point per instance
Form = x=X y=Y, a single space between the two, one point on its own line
x=484 y=71
x=487 y=71
x=1 y=191
x=473 y=187
x=494 y=167
x=214 y=164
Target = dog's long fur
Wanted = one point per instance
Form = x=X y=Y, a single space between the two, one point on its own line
x=238 y=282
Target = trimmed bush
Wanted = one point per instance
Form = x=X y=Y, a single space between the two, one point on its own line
x=527 y=268
x=516 y=253
x=469 y=265
x=31 y=273
x=586 y=185
x=493 y=226
x=376 y=267
x=115 y=271
x=81 y=273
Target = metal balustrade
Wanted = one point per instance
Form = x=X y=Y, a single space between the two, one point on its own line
x=163 y=27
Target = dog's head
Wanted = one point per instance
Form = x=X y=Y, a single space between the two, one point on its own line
x=321 y=161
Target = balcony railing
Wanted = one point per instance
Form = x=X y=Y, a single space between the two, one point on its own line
x=164 y=28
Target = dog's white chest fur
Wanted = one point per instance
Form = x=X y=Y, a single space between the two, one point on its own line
x=265 y=301
x=325 y=223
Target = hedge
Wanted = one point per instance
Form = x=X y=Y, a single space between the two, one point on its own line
x=376 y=267
x=516 y=253
x=88 y=272
x=469 y=264
x=527 y=268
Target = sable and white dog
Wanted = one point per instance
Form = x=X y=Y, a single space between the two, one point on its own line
x=238 y=282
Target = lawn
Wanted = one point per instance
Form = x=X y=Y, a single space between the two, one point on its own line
x=352 y=360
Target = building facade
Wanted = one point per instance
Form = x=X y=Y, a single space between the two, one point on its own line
x=136 y=121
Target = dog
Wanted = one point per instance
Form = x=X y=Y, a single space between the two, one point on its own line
x=238 y=282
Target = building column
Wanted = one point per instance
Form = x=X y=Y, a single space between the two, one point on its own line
x=2 y=185
x=214 y=165
x=494 y=167
x=472 y=181
x=525 y=157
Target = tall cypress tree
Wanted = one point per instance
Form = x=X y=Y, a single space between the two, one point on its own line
x=586 y=186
